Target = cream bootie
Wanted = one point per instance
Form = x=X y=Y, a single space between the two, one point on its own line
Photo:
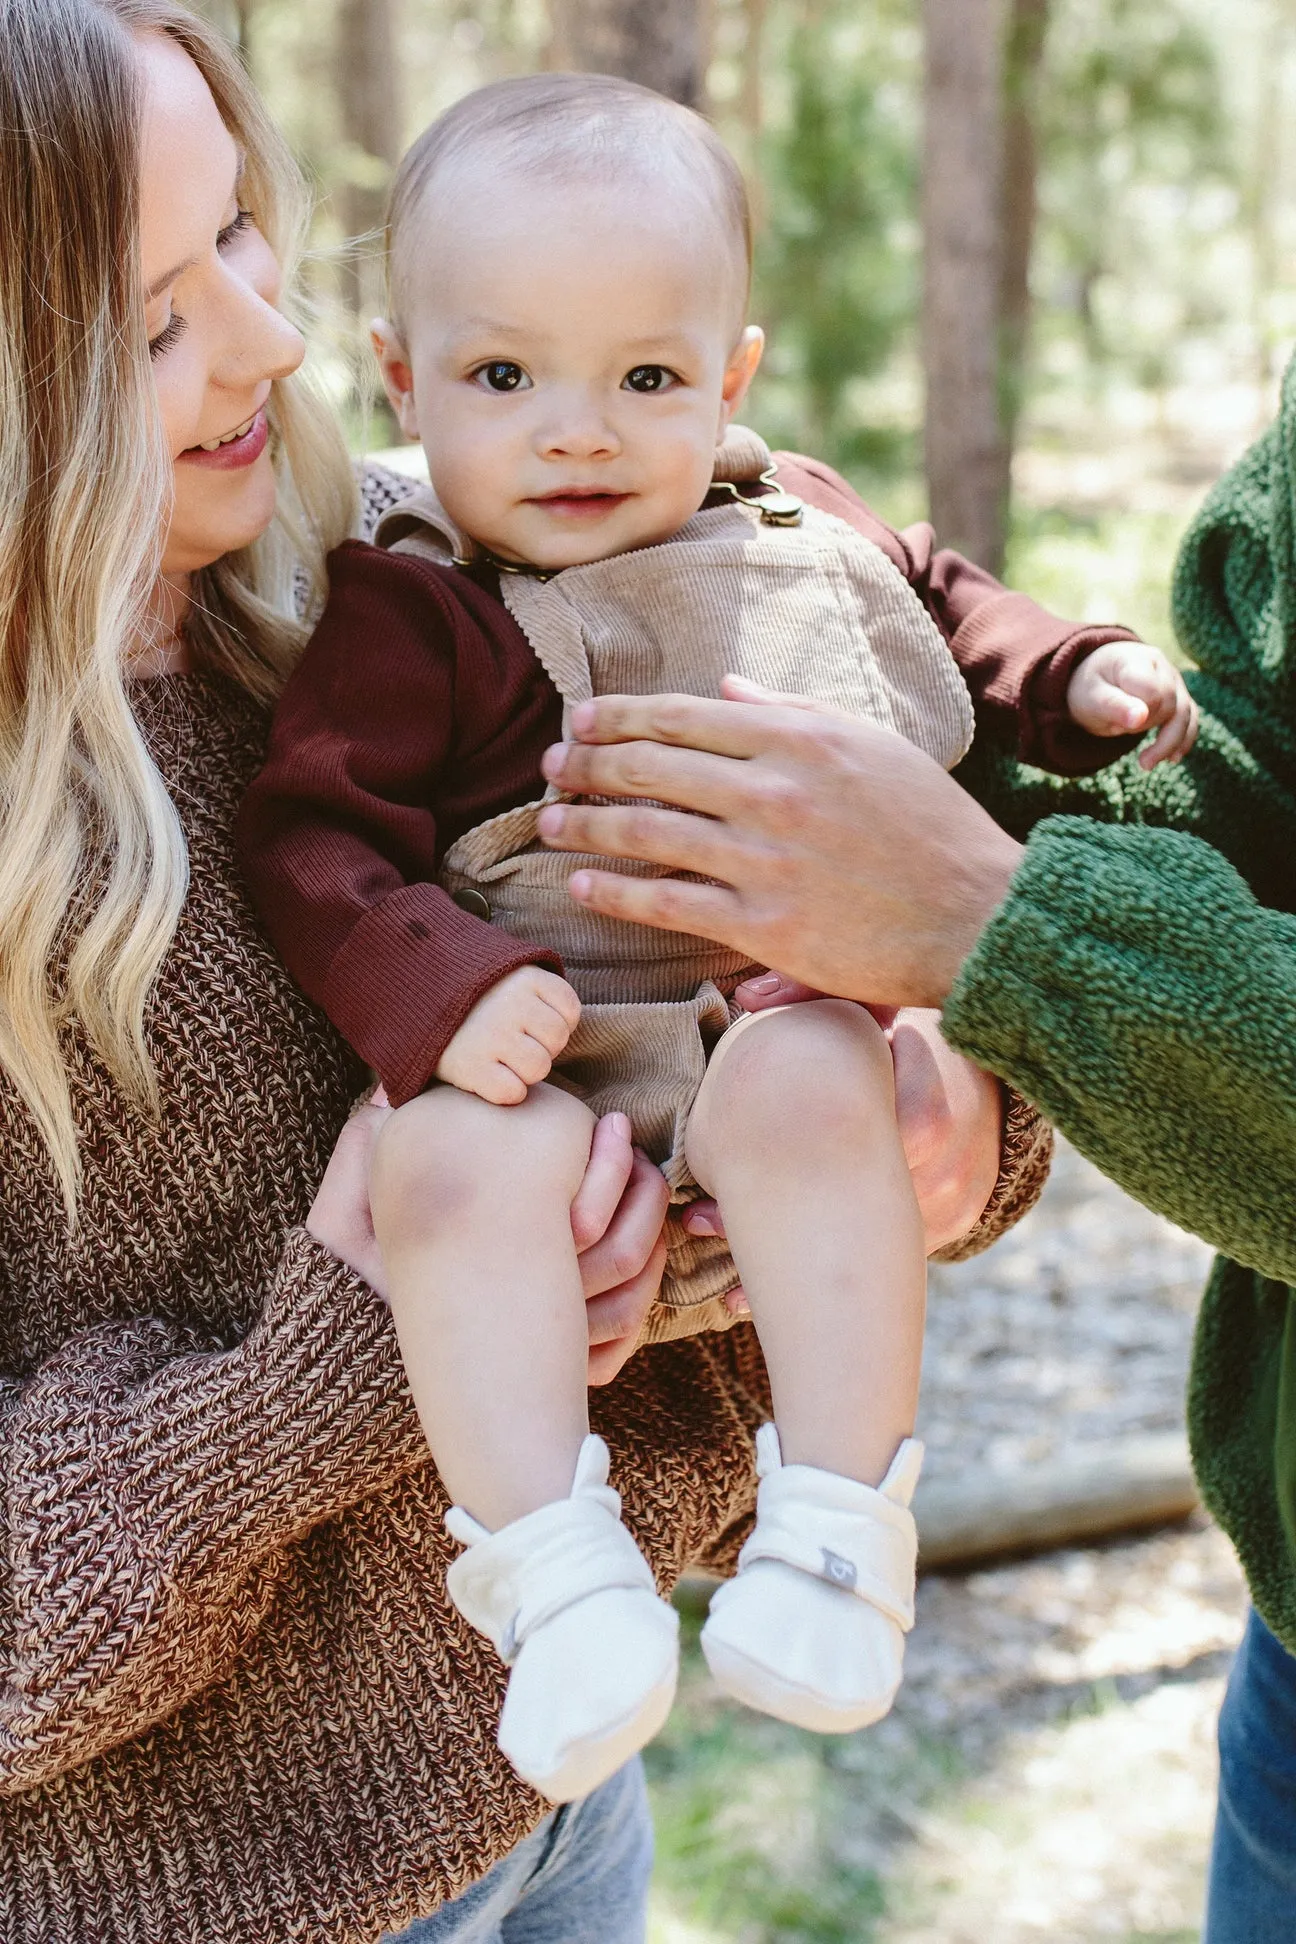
x=570 y=1604
x=812 y=1629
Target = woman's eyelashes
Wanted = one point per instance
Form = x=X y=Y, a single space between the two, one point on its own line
x=171 y=333
x=245 y=220
x=174 y=328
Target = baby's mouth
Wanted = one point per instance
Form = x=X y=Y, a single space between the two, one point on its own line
x=579 y=502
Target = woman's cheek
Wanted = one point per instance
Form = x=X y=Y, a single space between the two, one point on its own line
x=180 y=394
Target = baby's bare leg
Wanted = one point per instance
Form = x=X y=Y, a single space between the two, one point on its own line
x=471 y=1207
x=794 y=1133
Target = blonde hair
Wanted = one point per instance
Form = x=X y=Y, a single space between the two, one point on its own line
x=583 y=127
x=93 y=863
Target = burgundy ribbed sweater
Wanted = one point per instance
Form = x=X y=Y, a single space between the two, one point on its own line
x=420 y=709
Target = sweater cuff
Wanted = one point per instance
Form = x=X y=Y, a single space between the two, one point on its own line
x=1025 y=1157
x=410 y=972
x=1048 y=738
x=1018 y=660
x=1033 y=964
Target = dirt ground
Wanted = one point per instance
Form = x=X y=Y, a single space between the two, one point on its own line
x=1048 y=1772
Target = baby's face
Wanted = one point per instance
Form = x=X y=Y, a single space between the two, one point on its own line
x=570 y=362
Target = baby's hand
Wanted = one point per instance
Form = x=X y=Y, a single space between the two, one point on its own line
x=512 y=1036
x=1126 y=687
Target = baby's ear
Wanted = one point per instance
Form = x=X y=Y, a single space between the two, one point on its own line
x=397 y=373
x=744 y=361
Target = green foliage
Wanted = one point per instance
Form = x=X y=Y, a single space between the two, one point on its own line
x=716 y=1865
x=837 y=260
x=1133 y=139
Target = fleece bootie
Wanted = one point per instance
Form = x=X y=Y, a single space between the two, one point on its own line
x=569 y=1602
x=812 y=1629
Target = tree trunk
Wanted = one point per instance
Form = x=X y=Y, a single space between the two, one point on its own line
x=243 y=12
x=962 y=172
x=1023 y=62
x=663 y=44
x=368 y=98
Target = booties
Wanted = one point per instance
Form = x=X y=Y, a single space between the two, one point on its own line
x=812 y=1629
x=569 y=1602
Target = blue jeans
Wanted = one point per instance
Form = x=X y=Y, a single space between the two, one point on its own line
x=1252 y=1894
x=580 y=1878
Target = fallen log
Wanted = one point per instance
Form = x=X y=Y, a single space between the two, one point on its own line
x=1125 y=1487
x=1067 y=1501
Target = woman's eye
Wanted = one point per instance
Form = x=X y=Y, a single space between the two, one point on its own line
x=171 y=333
x=648 y=378
x=245 y=220
x=501 y=376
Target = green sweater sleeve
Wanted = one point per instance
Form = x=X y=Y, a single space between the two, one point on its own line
x=1236 y=791
x=1134 y=986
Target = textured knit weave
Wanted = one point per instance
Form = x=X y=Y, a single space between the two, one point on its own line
x=1141 y=984
x=237 y=1707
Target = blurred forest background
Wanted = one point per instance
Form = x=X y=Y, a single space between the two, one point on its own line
x=1067 y=226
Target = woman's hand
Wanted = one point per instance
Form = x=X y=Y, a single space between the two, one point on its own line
x=843 y=853
x=339 y=1216
x=618 y=1221
x=618 y=1218
x=949 y=1113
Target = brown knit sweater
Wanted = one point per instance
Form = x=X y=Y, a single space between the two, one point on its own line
x=237 y=1706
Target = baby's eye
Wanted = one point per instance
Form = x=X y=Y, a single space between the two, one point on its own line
x=501 y=376
x=649 y=378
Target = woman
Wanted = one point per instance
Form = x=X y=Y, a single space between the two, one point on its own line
x=1131 y=967
x=236 y=1704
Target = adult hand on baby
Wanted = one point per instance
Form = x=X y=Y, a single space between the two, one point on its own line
x=949 y=1113
x=339 y=1217
x=511 y=1037
x=617 y=1223
x=1126 y=687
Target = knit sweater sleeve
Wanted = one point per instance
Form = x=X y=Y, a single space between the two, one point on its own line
x=150 y=1484
x=338 y=836
x=1133 y=985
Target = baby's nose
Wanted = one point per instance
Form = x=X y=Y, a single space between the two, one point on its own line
x=580 y=430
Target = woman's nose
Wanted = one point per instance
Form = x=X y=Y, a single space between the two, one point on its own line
x=260 y=342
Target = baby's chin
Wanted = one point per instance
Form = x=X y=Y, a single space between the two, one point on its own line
x=552 y=542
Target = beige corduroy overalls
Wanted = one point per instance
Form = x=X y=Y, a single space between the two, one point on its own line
x=787 y=596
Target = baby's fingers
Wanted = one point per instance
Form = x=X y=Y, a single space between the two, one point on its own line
x=1176 y=737
x=1105 y=709
x=500 y=1085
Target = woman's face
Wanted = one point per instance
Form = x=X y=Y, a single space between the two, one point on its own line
x=216 y=340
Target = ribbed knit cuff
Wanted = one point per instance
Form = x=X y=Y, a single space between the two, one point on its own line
x=408 y=976
x=1025 y=1157
x=1048 y=737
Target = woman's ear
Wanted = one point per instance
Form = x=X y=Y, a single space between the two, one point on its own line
x=744 y=360
x=397 y=373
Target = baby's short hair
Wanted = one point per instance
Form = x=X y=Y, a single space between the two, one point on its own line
x=581 y=127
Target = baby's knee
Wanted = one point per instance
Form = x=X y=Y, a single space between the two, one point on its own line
x=447 y=1155
x=818 y=1073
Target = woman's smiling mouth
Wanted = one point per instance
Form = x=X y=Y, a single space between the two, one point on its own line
x=241 y=447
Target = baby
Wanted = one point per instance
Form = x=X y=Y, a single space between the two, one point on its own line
x=570 y=268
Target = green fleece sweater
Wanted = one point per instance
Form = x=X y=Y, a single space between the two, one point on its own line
x=1139 y=983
